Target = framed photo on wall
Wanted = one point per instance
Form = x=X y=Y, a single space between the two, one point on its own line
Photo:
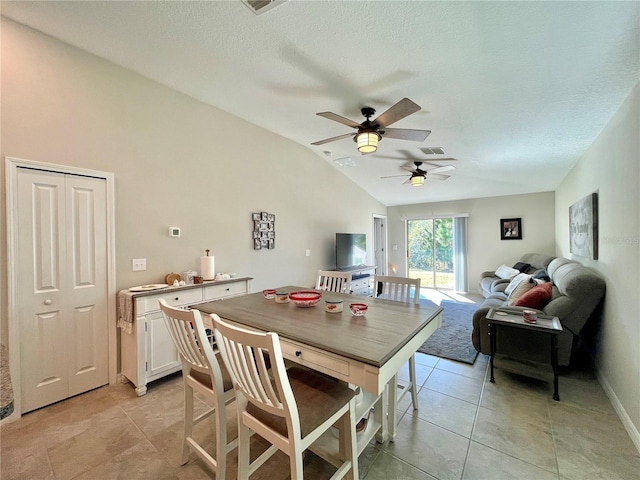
x=510 y=229
x=583 y=227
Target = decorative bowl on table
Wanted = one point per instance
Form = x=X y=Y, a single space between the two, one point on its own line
x=269 y=294
x=305 y=298
x=358 y=309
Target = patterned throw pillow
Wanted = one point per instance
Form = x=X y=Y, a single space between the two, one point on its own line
x=537 y=297
x=515 y=281
x=522 y=288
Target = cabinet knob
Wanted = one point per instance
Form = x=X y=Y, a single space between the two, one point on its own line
x=298 y=353
x=48 y=301
x=228 y=289
x=177 y=298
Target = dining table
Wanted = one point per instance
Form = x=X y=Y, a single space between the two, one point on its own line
x=366 y=351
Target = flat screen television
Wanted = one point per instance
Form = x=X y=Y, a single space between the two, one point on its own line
x=351 y=250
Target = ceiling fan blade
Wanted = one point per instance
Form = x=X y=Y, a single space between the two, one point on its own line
x=394 y=176
x=340 y=119
x=403 y=108
x=445 y=168
x=406 y=134
x=437 y=176
x=408 y=181
x=409 y=168
x=333 y=139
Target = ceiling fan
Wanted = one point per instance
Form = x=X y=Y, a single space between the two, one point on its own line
x=370 y=132
x=418 y=175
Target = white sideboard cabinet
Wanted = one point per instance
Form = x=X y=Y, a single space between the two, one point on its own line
x=148 y=352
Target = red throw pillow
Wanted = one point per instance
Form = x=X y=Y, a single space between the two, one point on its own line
x=537 y=297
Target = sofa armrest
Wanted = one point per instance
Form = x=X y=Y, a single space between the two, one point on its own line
x=500 y=285
x=488 y=274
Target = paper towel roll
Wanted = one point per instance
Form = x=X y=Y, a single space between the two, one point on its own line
x=208 y=267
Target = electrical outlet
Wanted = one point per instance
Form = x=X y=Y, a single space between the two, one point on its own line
x=139 y=264
x=307 y=252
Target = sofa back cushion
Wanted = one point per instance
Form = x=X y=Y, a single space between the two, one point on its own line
x=537 y=297
x=536 y=260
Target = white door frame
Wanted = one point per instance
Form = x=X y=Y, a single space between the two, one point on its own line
x=377 y=217
x=11 y=172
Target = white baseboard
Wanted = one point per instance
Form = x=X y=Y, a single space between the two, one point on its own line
x=617 y=406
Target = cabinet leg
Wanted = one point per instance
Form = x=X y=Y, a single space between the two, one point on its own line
x=141 y=390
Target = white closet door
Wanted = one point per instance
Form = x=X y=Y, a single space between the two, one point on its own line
x=62 y=285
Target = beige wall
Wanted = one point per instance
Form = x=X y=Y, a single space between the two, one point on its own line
x=177 y=162
x=485 y=249
x=611 y=167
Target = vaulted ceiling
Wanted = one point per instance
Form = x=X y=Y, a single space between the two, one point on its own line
x=515 y=92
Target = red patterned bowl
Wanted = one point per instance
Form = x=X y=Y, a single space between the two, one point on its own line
x=305 y=298
x=269 y=294
x=358 y=309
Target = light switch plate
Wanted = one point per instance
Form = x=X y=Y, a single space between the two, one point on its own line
x=139 y=264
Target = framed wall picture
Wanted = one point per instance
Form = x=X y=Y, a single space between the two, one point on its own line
x=510 y=229
x=264 y=230
x=583 y=227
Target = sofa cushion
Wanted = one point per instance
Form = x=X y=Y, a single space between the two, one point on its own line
x=522 y=267
x=520 y=290
x=542 y=275
x=521 y=277
x=504 y=271
x=537 y=297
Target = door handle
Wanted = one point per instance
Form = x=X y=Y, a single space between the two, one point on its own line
x=48 y=301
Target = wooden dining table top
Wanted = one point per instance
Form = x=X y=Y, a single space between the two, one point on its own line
x=373 y=338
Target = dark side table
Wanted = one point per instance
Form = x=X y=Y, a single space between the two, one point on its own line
x=545 y=324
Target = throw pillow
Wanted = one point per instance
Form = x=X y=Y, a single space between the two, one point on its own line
x=520 y=290
x=522 y=267
x=537 y=297
x=513 y=284
x=506 y=272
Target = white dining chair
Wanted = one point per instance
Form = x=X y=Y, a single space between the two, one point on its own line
x=401 y=289
x=202 y=371
x=332 y=281
x=289 y=408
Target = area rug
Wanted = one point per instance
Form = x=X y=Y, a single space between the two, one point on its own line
x=453 y=339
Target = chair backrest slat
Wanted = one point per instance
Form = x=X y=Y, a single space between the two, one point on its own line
x=399 y=289
x=244 y=354
x=331 y=281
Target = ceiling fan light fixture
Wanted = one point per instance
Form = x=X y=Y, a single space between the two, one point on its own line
x=417 y=180
x=367 y=142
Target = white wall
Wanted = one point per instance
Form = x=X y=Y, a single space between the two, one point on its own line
x=177 y=162
x=485 y=249
x=611 y=167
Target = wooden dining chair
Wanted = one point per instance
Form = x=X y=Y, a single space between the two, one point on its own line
x=339 y=282
x=401 y=289
x=289 y=408
x=204 y=372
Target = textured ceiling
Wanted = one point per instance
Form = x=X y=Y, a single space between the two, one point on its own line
x=514 y=91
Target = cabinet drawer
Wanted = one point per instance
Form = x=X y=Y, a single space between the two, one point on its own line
x=322 y=361
x=215 y=292
x=178 y=298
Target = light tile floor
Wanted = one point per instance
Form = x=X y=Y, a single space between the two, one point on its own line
x=465 y=428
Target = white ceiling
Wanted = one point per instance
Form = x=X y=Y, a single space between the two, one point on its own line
x=514 y=91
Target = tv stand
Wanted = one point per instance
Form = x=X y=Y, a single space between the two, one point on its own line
x=361 y=278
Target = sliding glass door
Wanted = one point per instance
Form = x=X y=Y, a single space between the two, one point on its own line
x=430 y=252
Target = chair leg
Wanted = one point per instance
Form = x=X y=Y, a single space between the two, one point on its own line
x=412 y=379
x=221 y=441
x=296 y=462
x=348 y=441
x=188 y=422
x=244 y=445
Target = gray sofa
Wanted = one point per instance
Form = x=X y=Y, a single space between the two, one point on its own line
x=490 y=283
x=576 y=292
